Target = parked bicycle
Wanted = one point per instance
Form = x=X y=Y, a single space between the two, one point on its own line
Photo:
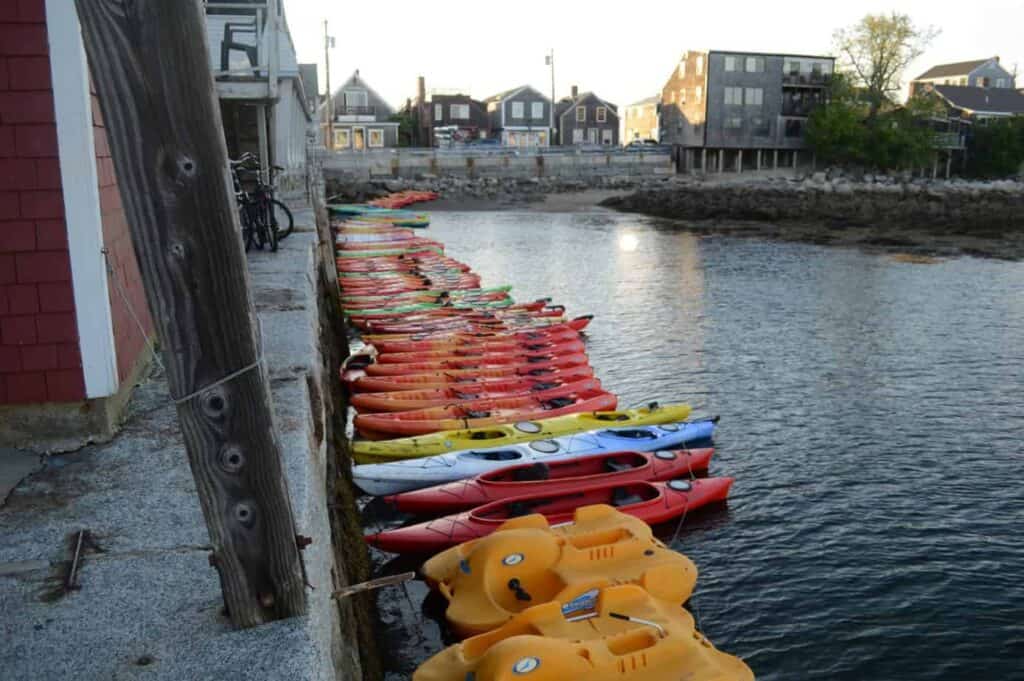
x=265 y=220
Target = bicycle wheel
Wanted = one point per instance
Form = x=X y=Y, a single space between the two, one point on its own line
x=279 y=216
x=269 y=233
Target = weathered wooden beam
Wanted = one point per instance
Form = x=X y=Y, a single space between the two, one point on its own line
x=150 y=67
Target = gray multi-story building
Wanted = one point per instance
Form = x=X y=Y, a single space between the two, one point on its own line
x=520 y=117
x=741 y=104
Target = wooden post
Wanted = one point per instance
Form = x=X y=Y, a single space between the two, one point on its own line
x=949 y=163
x=775 y=159
x=704 y=160
x=151 y=70
x=721 y=161
x=796 y=158
x=264 y=144
x=739 y=160
x=759 y=159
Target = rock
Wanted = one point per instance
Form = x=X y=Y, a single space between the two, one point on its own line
x=819 y=178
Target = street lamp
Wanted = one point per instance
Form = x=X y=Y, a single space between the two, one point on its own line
x=549 y=59
x=329 y=104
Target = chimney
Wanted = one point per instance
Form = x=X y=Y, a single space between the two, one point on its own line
x=575 y=91
x=421 y=89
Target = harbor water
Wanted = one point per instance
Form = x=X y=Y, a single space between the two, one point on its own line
x=872 y=415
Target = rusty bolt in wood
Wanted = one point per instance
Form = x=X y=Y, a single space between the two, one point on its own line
x=303 y=541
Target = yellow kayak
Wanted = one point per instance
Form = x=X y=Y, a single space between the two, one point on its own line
x=516 y=433
x=551 y=564
x=614 y=633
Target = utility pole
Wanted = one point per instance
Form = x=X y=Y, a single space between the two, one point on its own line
x=551 y=62
x=151 y=70
x=329 y=105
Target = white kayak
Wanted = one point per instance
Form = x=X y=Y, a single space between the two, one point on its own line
x=381 y=479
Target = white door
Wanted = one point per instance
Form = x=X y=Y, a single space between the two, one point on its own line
x=577 y=136
x=592 y=135
x=606 y=136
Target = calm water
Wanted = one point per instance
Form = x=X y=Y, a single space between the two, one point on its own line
x=872 y=415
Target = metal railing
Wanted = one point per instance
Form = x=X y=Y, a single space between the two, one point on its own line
x=810 y=79
x=949 y=140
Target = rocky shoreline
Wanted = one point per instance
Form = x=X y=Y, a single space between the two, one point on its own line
x=917 y=217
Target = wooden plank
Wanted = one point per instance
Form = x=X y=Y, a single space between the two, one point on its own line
x=150 y=67
x=390 y=580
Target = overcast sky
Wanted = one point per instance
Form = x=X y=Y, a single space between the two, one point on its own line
x=623 y=52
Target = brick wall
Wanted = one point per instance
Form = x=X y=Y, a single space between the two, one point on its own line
x=39 y=348
x=39 y=357
x=125 y=282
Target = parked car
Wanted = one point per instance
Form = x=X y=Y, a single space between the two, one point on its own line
x=486 y=142
x=642 y=145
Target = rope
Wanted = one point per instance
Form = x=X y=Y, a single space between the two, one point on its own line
x=131 y=310
x=156 y=356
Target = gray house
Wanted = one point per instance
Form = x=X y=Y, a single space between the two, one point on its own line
x=520 y=117
x=586 y=119
x=745 y=103
x=978 y=73
x=361 y=118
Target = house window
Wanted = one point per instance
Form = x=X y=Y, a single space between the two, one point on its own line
x=754 y=96
x=376 y=137
x=1000 y=82
x=606 y=136
x=816 y=70
x=730 y=63
x=755 y=64
x=492 y=106
x=734 y=95
x=733 y=122
x=438 y=112
x=577 y=136
x=760 y=126
x=698 y=92
x=700 y=64
x=602 y=114
x=355 y=98
x=342 y=139
x=459 y=112
x=537 y=110
x=518 y=110
x=963 y=81
x=794 y=128
x=793 y=68
x=581 y=114
x=985 y=82
x=682 y=68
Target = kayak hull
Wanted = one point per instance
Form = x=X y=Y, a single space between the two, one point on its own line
x=560 y=477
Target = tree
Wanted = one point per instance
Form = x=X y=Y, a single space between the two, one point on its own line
x=997 y=148
x=406 y=126
x=876 y=50
x=836 y=132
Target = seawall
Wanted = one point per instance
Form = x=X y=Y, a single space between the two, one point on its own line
x=938 y=217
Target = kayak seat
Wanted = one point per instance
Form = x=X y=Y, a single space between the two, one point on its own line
x=534 y=359
x=613 y=466
x=465 y=396
x=632 y=433
x=517 y=509
x=559 y=402
x=470 y=414
x=621 y=497
x=537 y=471
x=543 y=385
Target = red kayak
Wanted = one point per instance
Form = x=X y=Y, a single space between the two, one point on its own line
x=408 y=400
x=485 y=413
x=525 y=363
x=516 y=356
x=555 y=477
x=493 y=344
x=502 y=380
x=652 y=502
x=380 y=341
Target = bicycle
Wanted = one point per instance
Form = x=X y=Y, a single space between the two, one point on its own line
x=258 y=210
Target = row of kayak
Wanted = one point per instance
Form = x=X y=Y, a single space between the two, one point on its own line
x=481 y=417
x=598 y=597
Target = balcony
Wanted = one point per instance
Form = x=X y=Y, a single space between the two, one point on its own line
x=798 y=109
x=806 y=79
x=243 y=39
x=949 y=140
x=355 y=111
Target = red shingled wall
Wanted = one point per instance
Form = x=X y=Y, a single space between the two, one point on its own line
x=39 y=349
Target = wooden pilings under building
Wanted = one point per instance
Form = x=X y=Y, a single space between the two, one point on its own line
x=721 y=160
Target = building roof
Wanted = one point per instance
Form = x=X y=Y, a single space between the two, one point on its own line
x=356 y=81
x=653 y=99
x=567 y=103
x=960 y=68
x=505 y=93
x=980 y=99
